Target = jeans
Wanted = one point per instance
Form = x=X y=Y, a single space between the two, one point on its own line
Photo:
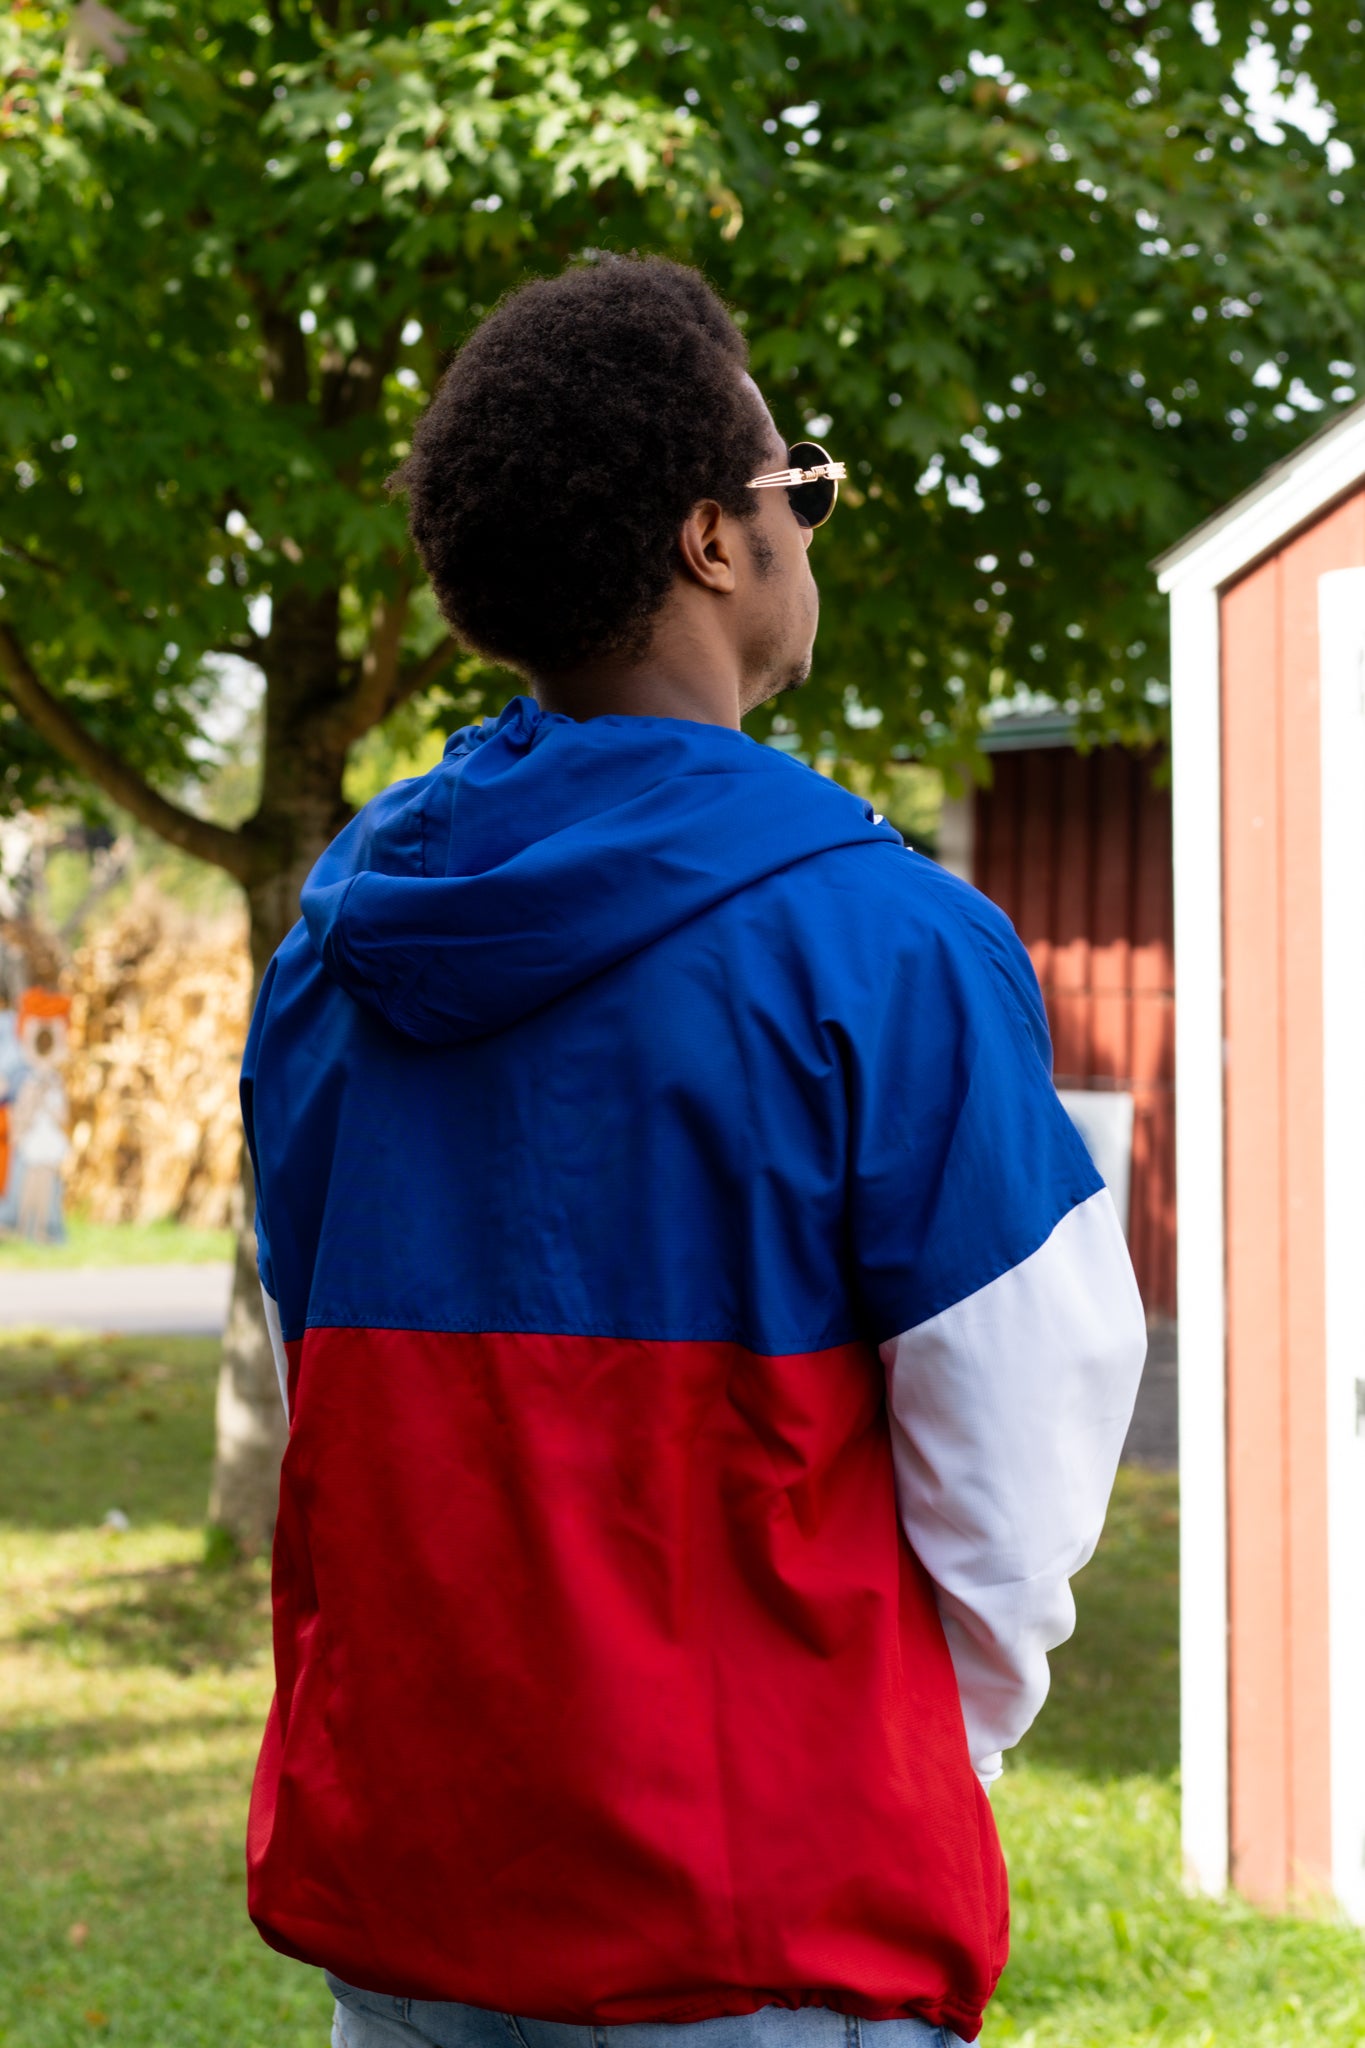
x=371 y=2019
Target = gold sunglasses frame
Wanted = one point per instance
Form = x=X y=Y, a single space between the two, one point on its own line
x=828 y=471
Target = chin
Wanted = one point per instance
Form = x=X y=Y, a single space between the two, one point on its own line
x=778 y=684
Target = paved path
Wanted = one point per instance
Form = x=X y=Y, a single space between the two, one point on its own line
x=1154 y=1438
x=153 y=1300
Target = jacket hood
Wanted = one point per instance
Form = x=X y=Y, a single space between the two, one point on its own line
x=542 y=850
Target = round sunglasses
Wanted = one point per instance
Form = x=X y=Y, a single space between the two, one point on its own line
x=811 y=483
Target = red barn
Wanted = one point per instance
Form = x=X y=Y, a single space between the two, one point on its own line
x=1076 y=849
x=1268 y=758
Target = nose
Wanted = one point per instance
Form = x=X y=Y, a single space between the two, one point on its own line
x=807 y=530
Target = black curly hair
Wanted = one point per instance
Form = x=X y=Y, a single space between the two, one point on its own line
x=566 y=444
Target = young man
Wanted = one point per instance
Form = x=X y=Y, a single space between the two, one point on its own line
x=706 y=1341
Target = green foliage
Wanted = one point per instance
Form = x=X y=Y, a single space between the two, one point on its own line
x=409 y=742
x=1061 y=297
x=1032 y=258
x=910 y=795
x=402 y=747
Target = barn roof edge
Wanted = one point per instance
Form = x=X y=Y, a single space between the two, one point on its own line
x=1308 y=480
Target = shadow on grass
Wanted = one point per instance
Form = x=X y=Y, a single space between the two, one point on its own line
x=36 y=1369
x=180 y=1618
x=87 y=1425
x=91 y=1736
x=1114 y=1707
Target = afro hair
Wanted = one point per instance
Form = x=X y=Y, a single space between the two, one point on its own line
x=565 y=446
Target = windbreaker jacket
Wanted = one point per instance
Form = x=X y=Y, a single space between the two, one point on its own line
x=707 y=1348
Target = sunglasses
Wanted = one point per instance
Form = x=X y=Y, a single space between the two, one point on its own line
x=812 y=482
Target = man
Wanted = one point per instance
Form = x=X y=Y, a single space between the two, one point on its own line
x=706 y=1341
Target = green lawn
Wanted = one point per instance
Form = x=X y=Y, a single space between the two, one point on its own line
x=133 y=1685
x=120 y=1244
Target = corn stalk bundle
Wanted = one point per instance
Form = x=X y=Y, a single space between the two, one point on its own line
x=158 y=1020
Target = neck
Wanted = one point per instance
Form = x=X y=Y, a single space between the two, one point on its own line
x=682 y=674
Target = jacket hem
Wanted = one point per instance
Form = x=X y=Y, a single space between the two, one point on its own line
x=729 y=2003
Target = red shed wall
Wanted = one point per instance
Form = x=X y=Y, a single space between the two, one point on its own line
x=1076 y=849
x=1280 y=1815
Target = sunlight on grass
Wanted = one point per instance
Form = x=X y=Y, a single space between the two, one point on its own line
x=125 y=1770
x=1108 y=1948
x=134 y=1684
x=119 y=1244
x=134 y=1687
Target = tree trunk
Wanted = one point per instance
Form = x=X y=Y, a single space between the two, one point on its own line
x=302 y=809
x=250 y=1426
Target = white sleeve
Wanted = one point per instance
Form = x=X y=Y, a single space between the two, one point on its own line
x=276 y=1336
x=1008 y=1413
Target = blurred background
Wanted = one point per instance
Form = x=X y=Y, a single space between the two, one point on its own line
x=1057 y=279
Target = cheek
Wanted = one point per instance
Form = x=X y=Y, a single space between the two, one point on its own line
x=789 y=539
x=792 y=538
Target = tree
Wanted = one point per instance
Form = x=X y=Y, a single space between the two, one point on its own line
x=1051 y=290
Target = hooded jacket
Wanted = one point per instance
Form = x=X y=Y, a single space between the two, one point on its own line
x=707 y=1347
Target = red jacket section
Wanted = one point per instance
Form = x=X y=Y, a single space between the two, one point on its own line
x=606 y=1663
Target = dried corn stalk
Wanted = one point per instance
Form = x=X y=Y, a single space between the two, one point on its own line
x=158 y=1020
x=37 y=952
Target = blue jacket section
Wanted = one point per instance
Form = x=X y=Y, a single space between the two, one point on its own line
x=638 y=1028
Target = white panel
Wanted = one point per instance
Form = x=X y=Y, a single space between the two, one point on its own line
x=1341 y=615
x=277 y=1351
x=1104 y=1119
x=1196 y=757
x=957 y=836
x=1008 y=1413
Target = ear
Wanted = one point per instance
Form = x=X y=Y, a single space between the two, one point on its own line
x=706 y=547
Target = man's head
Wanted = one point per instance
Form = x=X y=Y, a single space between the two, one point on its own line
x=578 y=487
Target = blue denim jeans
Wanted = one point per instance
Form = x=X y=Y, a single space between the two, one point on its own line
x=370 y=2019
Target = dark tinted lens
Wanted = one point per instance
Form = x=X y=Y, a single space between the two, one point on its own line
x=814 y=502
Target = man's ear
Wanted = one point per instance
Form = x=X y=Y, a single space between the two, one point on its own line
x=705 y=543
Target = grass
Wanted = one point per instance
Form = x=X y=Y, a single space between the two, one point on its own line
x=134 y=1683
x=119 y=1244
x=134 y=1686
x=1107 y=1946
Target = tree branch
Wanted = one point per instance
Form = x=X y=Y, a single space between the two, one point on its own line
x=246 y=647
x=15 y=547
x=56 y=724
x=370 y=698
x=421 y=674
x=381 y=685
x=285 y=365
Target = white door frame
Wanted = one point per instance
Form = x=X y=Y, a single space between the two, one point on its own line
x=1197 y=832
x=1341 y=621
